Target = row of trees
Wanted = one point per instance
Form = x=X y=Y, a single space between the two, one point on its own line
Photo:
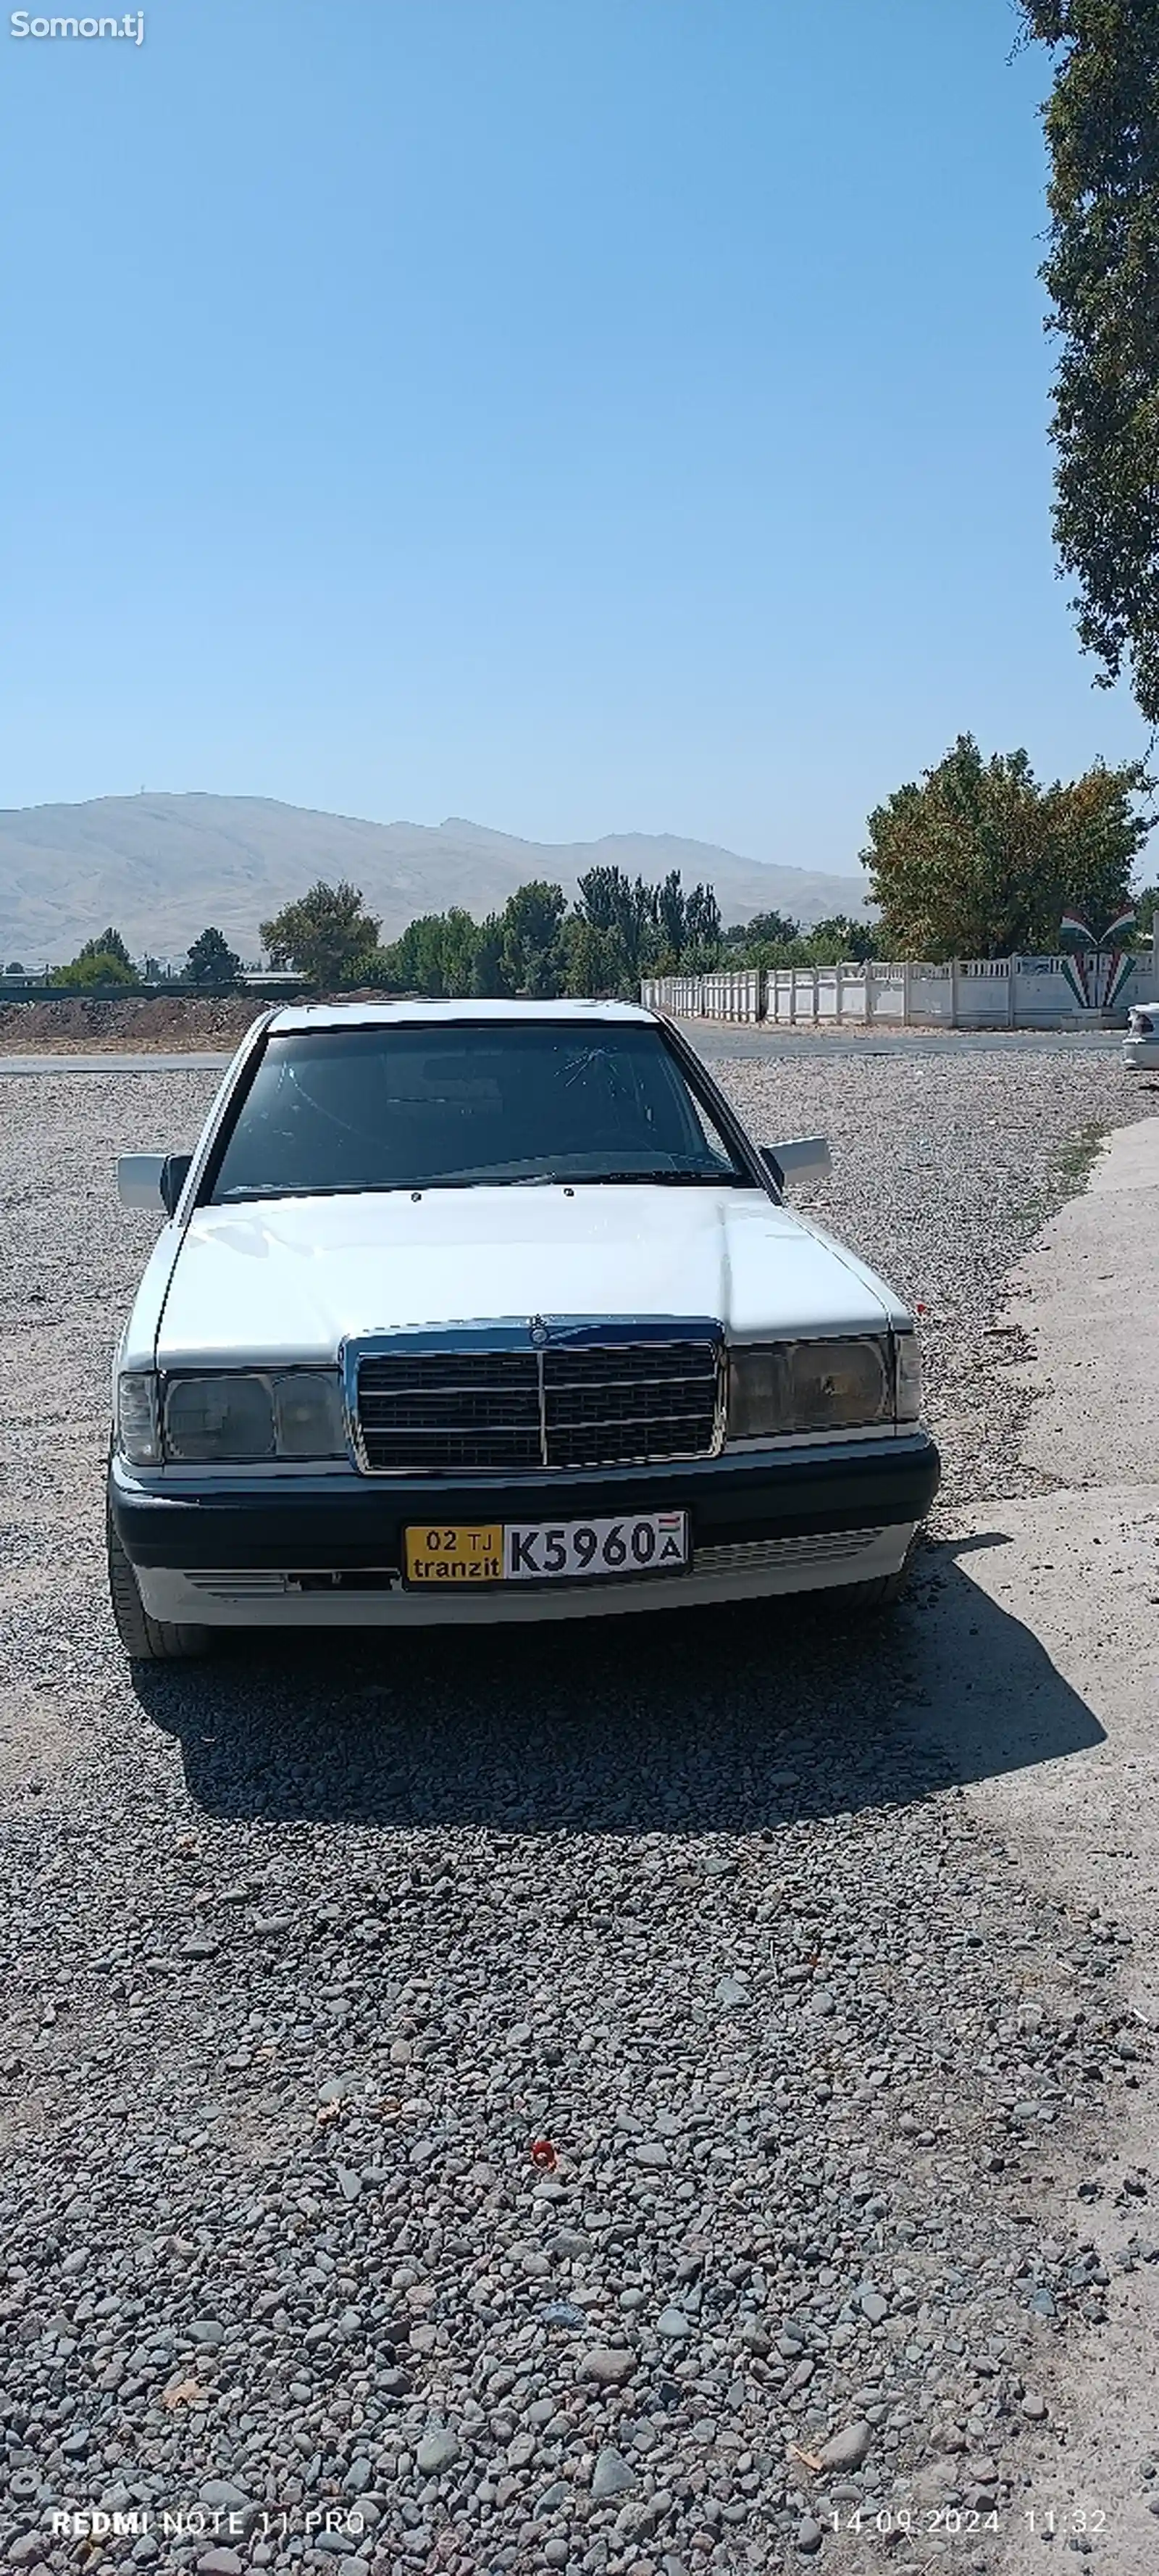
x=537 y=946
x=105 y=962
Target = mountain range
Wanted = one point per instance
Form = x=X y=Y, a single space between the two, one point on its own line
x=159 y=868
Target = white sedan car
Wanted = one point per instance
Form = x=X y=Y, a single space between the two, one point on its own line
x=1141 y=1043
x=491 y=1311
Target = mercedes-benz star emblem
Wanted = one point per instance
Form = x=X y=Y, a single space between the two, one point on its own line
x=538 y=1331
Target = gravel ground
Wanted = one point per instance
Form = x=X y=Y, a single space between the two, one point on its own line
x=581 y=2101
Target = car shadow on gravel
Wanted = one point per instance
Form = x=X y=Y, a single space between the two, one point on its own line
x=733 y=1720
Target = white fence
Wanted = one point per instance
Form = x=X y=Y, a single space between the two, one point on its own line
x=975 y=992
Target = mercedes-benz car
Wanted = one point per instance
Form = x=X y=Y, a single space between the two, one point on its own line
x=475 y=1311
x=1141 y=1043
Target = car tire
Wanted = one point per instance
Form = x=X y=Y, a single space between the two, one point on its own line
x=884 y=1591
x=146 y=1640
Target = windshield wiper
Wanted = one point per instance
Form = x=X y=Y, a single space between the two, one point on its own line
x=663 y=1172
x=484 y=1180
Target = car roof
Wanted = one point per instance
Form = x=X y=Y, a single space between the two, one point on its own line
x=290 y=1019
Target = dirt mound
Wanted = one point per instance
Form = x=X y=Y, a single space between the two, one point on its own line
x=167 y=1023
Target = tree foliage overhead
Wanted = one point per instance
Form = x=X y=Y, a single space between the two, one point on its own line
x=979 y=860
x=1102 y=273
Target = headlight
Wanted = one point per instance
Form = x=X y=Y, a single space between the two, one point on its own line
x=138 y=1438
x=218 y=1417
x=239 y=1415
x=308 y=1418
x=809 y=1386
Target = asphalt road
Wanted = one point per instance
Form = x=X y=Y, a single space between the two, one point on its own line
x=137 y=1063
x=716 y=1041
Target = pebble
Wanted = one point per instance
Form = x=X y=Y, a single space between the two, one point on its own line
x=848 y=2448
x=612 y=2475
x=809 y=2536
x=609 y=2366
x=436 y=2452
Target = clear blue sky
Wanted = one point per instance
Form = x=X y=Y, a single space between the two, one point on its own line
x=581 y=415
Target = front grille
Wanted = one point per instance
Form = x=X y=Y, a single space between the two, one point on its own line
x=446 y=1409
x=596 y=1405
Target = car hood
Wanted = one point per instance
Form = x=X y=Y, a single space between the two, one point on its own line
x=290 y=1279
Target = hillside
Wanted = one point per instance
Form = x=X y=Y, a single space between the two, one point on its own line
x=161 y=867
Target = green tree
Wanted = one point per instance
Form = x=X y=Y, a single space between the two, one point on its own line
x=831 y=942
x=532 y=953
x=613 y=904
x=671 y=917
x=596 y=964
x=435 y=956
x=1146 y=902
x=1102 y=274
x=108 y=943
x=326 y=935
x=488 y=973
x=93 y=969
x=211 y=960
x=702 y=920
x=979 y=860
x=766 y=930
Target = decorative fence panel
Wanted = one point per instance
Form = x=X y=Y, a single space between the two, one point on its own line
x=971 y=992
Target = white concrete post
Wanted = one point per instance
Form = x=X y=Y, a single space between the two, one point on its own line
x=839 y=995
x=869 y=993
x=1012 y=995
x=906 y=1003
x=955 y=971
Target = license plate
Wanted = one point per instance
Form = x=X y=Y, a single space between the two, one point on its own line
x=547 y=1551
x=459 y=1556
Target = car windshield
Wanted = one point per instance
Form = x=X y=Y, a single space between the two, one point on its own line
x=429 y=1107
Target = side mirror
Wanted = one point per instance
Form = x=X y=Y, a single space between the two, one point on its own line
x=152 y=1181
x=174 y=1175
x=139 y=1181
x=801 y=1158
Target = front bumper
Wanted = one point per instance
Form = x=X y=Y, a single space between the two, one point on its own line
x=323 y=1551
